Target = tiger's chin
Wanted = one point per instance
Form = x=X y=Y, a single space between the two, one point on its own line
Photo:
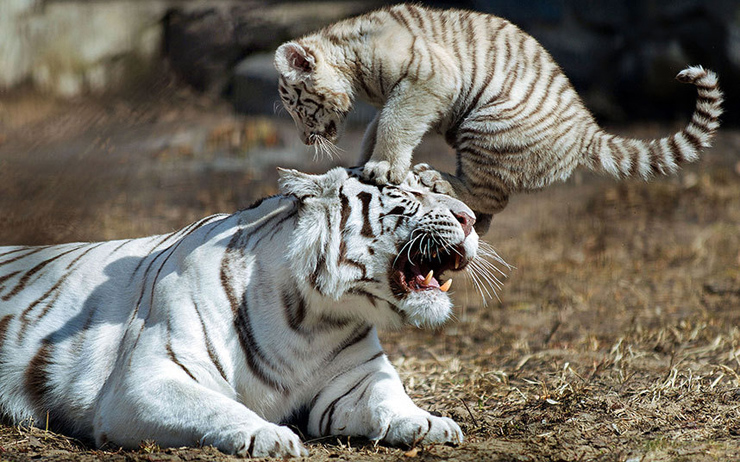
x=426 y=309
x=423 y=277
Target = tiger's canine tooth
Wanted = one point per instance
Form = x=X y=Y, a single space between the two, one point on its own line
x=446 y=286
x=429 y=277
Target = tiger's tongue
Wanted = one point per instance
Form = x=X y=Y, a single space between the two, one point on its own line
x=426 y=282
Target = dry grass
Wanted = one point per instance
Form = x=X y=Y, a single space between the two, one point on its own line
x=616 y=338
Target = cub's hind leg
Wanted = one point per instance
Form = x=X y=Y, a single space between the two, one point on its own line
x=485 y=203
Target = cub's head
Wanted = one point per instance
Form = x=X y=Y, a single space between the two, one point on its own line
x=313 y=91
x=384 y=254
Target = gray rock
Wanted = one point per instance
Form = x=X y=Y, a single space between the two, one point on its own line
x=74 y=46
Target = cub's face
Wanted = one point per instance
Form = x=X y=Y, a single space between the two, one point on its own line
x=315 y=114
x=396 y=247
x=313 y=91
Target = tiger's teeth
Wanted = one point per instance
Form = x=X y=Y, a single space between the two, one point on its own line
x=428 y=279
x=458 y=258
x=446 y=286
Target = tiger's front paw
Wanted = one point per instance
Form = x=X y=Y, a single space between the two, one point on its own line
x=266 y=441
x=382 y=172
x=414 y=430
x=432 y=179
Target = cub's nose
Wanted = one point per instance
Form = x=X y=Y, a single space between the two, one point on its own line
x=466 y=221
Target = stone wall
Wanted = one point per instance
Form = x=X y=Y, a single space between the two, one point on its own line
x=72 y=47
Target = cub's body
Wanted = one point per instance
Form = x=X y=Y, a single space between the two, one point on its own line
x=492 y=90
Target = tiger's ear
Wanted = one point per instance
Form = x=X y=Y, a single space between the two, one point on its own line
x=303 y=185
x=294 y=62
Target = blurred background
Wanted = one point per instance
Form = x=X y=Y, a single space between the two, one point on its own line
x=121 y=118
x=617 y=334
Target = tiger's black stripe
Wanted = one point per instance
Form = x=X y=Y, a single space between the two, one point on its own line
x=367 y=227
x=171 y=353
x=329 y=410
x=4 y=323
x=317 y=396
x=11 y=252
x=295 y=310
x=257 y=359
x=37 y=376
x=7 y=277
x=209 y=345
x=370 y=297
x=30 y=273
x=81 y=336
x=55 y=290
x=356 y=336
x=314 y=276
x=32 y=251
x=156 y=248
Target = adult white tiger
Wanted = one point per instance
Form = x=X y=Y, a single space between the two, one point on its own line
x=217 y=333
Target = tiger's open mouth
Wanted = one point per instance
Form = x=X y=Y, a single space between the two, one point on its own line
x=417 y=270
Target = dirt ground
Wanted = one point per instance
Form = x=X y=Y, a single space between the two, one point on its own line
x=616 y=338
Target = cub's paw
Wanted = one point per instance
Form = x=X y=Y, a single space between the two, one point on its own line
x=266 y=441
x=432 y=179
x=420 y=429
x=377 y=171
x=383 y=172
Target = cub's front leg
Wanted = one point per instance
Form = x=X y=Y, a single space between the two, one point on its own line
x=369 y=401
x=397 y=130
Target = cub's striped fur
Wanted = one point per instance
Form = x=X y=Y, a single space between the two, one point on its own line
x=496 y=95
x=219 y=332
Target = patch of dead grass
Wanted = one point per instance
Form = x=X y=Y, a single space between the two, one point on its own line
x=616 y=337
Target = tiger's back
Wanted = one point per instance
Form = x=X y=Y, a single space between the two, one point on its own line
x=68 y=308
x=492 y=90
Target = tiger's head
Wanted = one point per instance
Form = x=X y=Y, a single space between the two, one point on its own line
x=384 y=254
x=313 y=91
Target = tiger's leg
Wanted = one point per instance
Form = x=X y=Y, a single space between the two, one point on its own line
x=370 y=401
x=174 y=410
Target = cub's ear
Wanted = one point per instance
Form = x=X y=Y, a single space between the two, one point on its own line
x=294 y=62
x=303 y=185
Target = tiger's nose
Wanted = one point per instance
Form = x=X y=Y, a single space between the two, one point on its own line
x=466 y=221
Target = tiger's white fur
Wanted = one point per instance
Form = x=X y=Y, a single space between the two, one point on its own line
x=496 y=95
x=218 y=333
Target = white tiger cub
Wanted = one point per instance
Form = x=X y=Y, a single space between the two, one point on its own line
x=492 y=90
x=218 y=333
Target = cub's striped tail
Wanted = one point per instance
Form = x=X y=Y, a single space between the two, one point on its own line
x=630 y=157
